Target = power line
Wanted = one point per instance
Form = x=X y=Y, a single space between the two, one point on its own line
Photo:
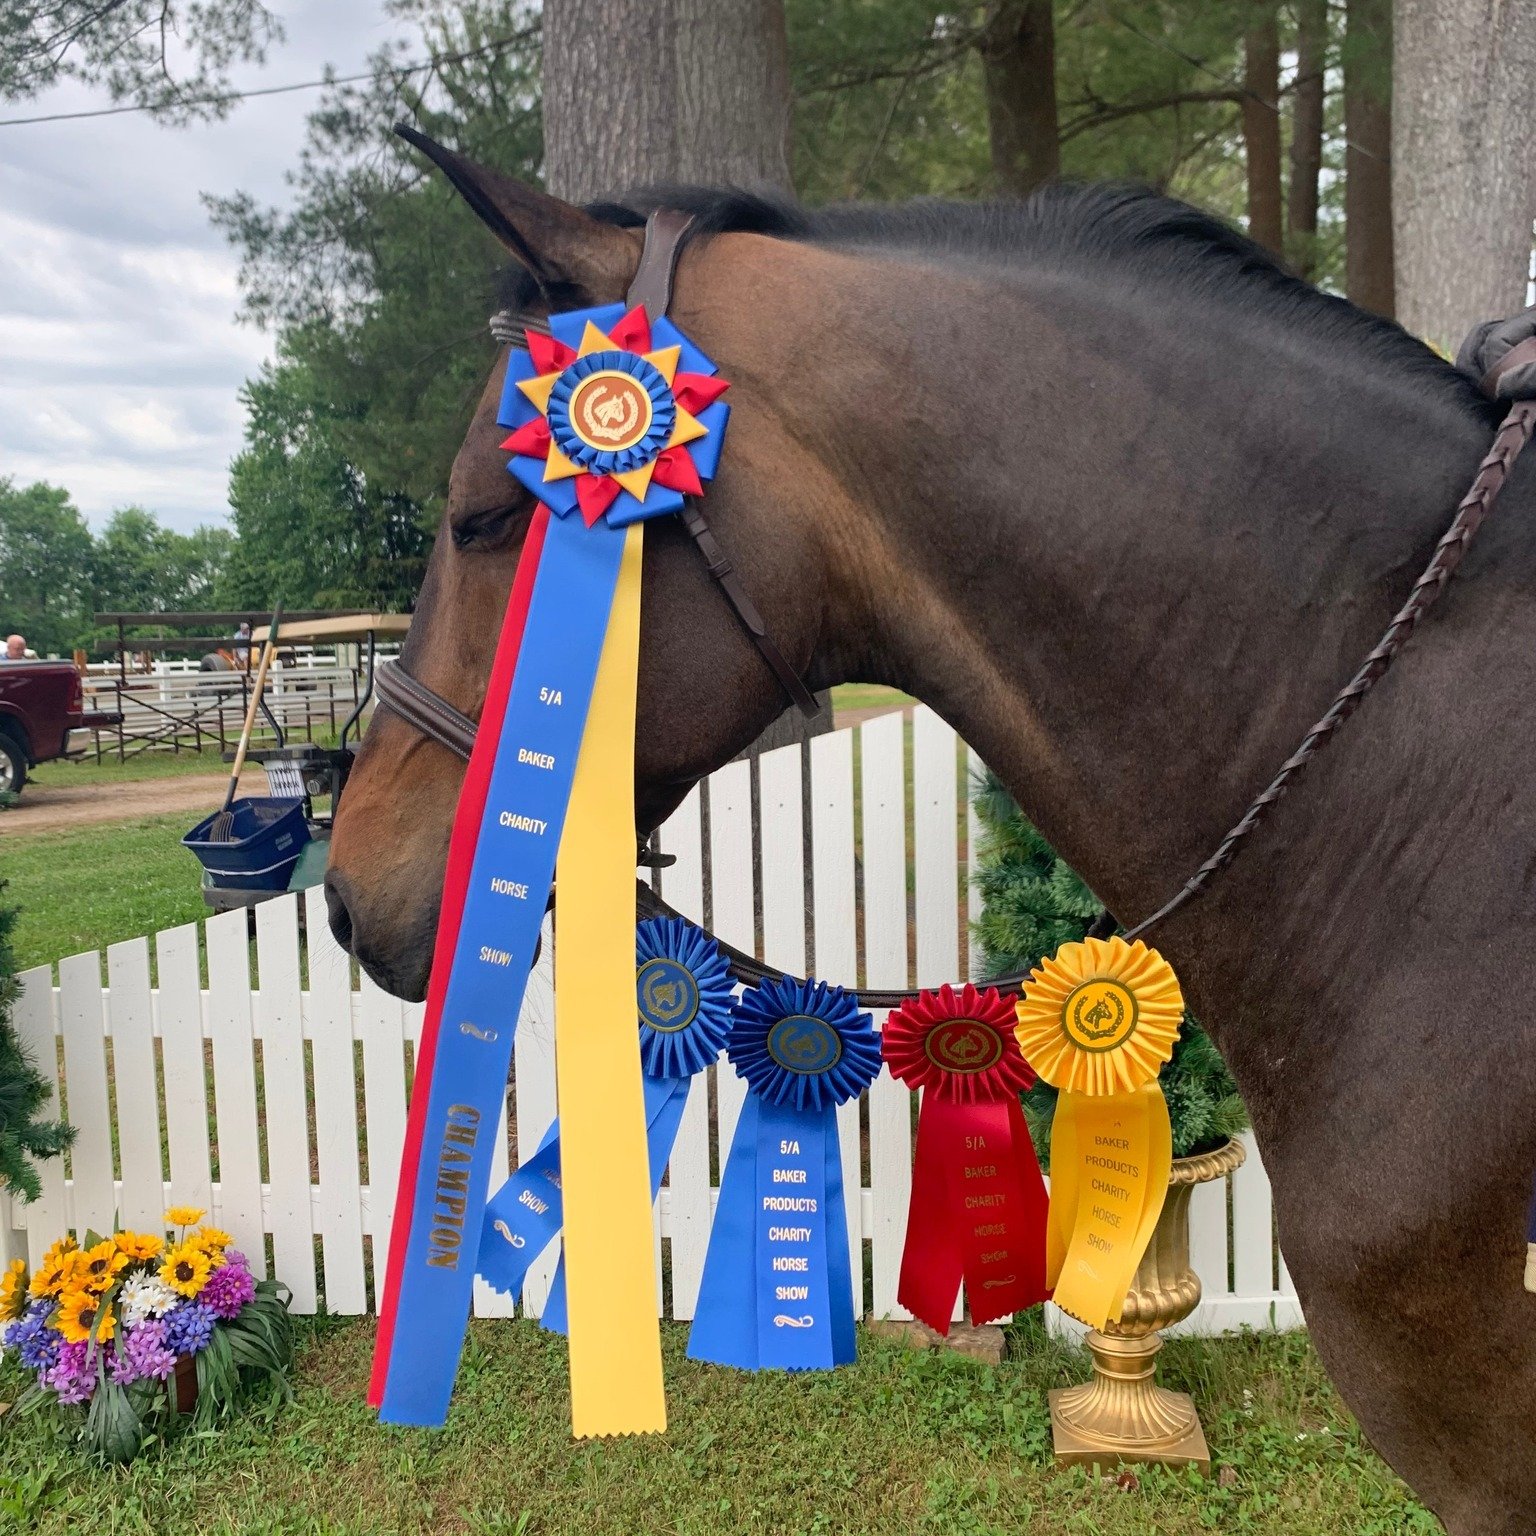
x=224 y=97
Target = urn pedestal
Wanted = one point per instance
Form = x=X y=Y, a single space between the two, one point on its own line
x=1121 y=1414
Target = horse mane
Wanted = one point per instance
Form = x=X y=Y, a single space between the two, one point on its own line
x=1130 y=235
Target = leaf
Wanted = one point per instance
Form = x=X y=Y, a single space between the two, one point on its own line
x=112 y=1429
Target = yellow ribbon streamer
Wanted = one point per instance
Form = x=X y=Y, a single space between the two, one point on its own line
x=610 y=1257
x=1096 y=1021
x=1110 y=1158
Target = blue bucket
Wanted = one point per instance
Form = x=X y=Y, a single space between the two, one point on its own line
x=264 y=844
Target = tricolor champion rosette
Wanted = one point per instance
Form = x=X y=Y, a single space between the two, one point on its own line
x=1097 y=1020
x=978 y=1207
x=613 y=414
x=683 y=991
x=777 y=1290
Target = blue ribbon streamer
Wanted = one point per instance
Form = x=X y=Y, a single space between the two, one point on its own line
x=683 y=997
x=780 y=1234
x=509 y=882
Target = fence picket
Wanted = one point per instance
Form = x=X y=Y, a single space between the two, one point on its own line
x=47 y=1217
x=290 y=1214
x=849 y=863
x=184 y=1066
x=94 y=1201
x=834 y=913
x=338 y=1206
x=533 y=1078
x=141 y=1202
x=732 y=886
x=234 y=1084
x=689 y=1186
x=885 y=965
x=383 y=1030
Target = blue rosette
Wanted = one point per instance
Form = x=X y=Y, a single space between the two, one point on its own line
x=777 y=1290
x=683 y=995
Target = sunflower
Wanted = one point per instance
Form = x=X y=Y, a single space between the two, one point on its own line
x=98 y=1267
x=139 y=1246
x=184 y=1215
x=13 y=1290
x=79 y=1312
x=57 y=1271
x=211 y=1240
x=186 y=1269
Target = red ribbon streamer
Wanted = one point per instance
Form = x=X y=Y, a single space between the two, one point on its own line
x=461 y=855
x=979 y=1205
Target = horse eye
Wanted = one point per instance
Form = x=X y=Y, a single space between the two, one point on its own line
x=484 y=530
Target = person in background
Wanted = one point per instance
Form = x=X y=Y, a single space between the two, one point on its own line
x=242 y=646
x=16 y=649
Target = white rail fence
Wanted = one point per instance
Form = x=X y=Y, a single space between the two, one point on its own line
x=278 y=1100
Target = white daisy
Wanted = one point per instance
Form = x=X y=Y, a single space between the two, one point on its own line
x=145 y=1295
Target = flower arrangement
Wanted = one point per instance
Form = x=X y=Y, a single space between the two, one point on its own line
x=113 y=1329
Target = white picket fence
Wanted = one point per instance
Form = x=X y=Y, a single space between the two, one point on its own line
x=281 y=1105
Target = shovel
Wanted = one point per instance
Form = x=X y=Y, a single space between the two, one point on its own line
x=224 y=822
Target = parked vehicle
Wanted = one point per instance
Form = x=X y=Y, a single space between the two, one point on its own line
x=41 y=702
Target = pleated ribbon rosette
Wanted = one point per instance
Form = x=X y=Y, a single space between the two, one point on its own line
x=683 y=994
x=978 y=1207
x=1097 y=1021
x=614 y=418
x=777 y=1289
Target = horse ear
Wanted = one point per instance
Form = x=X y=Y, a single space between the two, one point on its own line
x=563 y=248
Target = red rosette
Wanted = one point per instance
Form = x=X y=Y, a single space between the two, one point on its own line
x=978 y=1210
x=960 y=1046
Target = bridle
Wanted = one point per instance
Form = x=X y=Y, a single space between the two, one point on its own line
x=665 y=232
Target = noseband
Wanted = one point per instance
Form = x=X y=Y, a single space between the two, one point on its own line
x=432 y=715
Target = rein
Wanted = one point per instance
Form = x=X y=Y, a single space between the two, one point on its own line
x=665 y=231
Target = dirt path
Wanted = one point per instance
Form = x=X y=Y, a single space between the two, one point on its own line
x=54 y=808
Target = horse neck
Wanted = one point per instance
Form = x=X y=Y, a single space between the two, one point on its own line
x=1130 y=554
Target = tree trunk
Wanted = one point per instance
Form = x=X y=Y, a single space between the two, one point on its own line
x=1261 y=130
x=1370 y=268
x=639 y=92
x=1018 y=56
x=1464 y=155
x=643 y=92
x=1307 y=134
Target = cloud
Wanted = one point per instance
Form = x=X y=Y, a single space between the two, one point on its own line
x=121 y=357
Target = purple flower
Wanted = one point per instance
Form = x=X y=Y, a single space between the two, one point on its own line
x=142 y=1352
x=71 y=1376
x=188 y=1328
x=229 y=1288
x=33 y=1339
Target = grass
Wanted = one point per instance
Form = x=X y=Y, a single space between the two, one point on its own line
x=900 y=1442
x=62 y=773
x=867 y=696
x=92 y=886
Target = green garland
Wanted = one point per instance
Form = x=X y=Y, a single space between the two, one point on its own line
x=24 y=1091
x=1032 y=904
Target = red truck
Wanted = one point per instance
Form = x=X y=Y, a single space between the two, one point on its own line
x=41 y=702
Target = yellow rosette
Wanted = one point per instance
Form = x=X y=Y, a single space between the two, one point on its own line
x=1097 y=1021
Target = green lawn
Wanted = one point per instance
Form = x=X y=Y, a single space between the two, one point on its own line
x=63 y=772
x=901 y=1442
x=92 y=886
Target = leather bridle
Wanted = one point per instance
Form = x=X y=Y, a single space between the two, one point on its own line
x=665 y=232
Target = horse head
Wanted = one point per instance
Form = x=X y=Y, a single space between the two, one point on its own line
x=704 y=692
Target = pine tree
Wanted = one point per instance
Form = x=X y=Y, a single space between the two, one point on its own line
x=1032 y=904
x=24 y=1091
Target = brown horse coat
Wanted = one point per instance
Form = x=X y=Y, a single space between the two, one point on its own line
x=1126 y=505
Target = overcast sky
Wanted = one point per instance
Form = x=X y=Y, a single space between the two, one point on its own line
x=120 y=356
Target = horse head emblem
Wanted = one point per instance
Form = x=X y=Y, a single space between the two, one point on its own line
x=610 y=414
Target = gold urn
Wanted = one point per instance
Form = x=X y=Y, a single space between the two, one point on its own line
x=1121 y=1414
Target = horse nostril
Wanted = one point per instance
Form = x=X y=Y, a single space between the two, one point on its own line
x=336 y=909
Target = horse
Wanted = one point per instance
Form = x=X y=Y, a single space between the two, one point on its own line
x=1093 y=476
